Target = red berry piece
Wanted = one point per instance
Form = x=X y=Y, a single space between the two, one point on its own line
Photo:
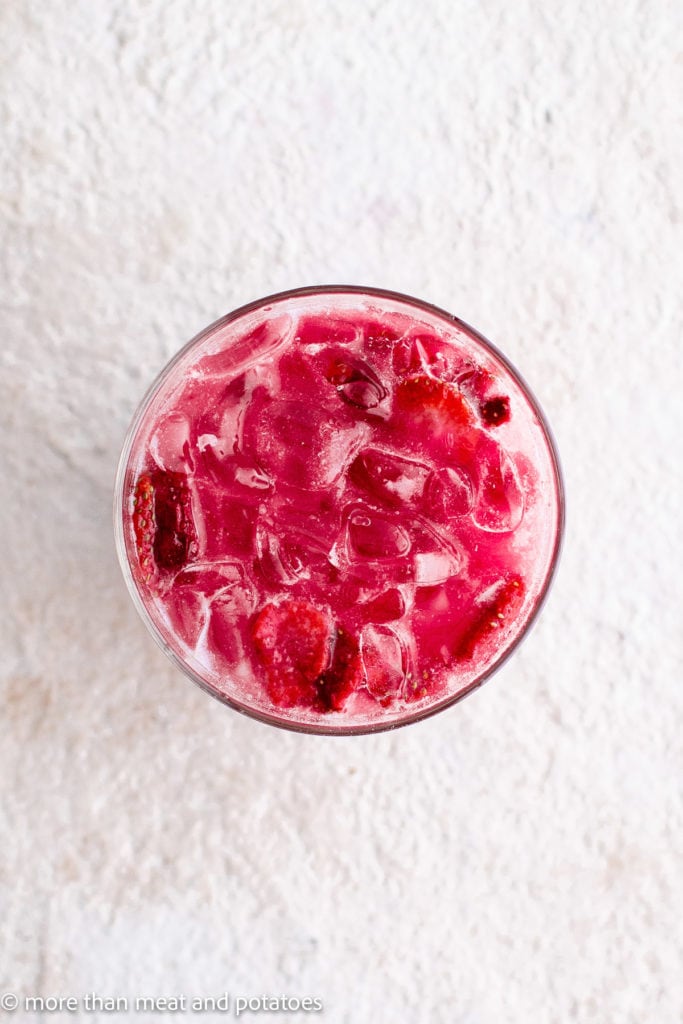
x=164 y=529
x=293 y=641
x=498 y=612
x=495 y=411
x=345 y=674
x=439 y=407
x=144 y=525
x=479 y=385
x=175 y=540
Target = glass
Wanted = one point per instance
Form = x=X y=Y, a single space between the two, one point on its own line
x=336 y=455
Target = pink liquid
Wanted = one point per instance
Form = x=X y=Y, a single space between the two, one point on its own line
x=339 y=509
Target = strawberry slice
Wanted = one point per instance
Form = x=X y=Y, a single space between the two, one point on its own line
x=144 y=525
x=165 y=535
x=439 y=407
x=345 y=674
x=293 y=640
x=496 y=614
x=175 y=539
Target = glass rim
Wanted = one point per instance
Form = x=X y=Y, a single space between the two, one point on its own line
x=315 y=728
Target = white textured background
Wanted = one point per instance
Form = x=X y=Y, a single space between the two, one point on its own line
x=519 y=858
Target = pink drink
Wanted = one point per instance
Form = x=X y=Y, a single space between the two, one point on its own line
x=338 y=509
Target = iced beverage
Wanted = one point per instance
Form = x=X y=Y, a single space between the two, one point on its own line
x=338 y=509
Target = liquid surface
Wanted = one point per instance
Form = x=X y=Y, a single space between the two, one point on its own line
x=339 y=510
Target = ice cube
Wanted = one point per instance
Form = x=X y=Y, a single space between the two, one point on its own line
x=300 y=445
x=357 y=383
x=450 y=493
x=499 y=502
x=385 y=661
x=211 y=577
x=256 y=346
x=318 y=331
x=436 y=555
x=220 y=427
x=170 y=443
x=432 y=567
x=224 y=645
x=390 y=477
x=279 y=561
x=421 y=352
x=198 y=588
x=375 y=537
x=225 y=523
x=301 y=379
x=235 y=401
x=380 y=337
x=293 y=544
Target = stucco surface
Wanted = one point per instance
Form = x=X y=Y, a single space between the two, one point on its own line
x=517 y=858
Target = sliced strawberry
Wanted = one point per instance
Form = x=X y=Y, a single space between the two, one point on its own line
x=175 y=539
x=495 y=615
x=443 y=402
x=440 y=407
x=345 y=674
x=417 y=687
x=144 y=525
x=293 y=641
x=165 y=534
